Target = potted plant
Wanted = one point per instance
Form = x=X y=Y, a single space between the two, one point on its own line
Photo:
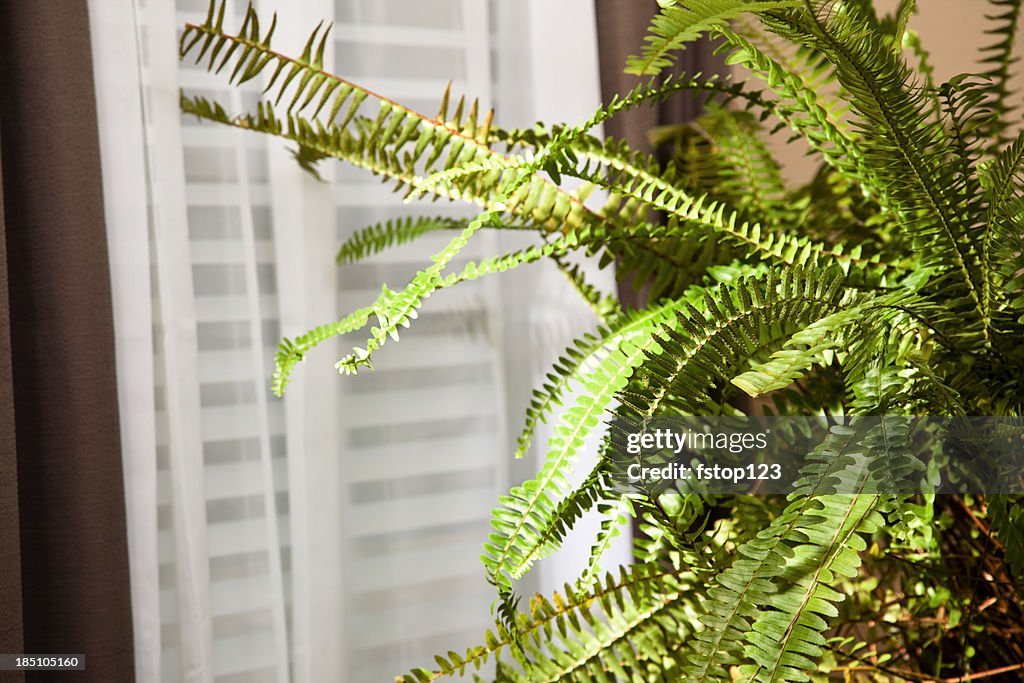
x=888 y=285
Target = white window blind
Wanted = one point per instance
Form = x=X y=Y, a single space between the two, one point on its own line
x=333 y=535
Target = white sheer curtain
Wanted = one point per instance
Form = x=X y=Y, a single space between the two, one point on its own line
x=333 y=535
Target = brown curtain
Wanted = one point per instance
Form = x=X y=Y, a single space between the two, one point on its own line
x=63 y=559
x=621 y=26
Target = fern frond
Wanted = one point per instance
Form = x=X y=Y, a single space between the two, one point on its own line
x=801 y=109
x=742 y=591
x=396 y=142
x=749 y=174
x=530 y=525
x=528 y=509
x=582 y=356
x=413 y=153
x=589 y=494
x=912 y=42
x=293 y=351
x=963 y=103
x=966 y=106
x=808 y=346
x=899 y=19
x=786 y=639
x=1003 y=182
x=605 y=306
x=1000 y=59
x=396 y=309
x=385 y=235
x=880 y=389
x=1003 y=179
x=743 y=317
x=613 y=627
x=892 y=463
x=713 y=217
x=662 y=258
x=620 y=638
x=615 y=516
x=677 y=25
x=816 y=72
x=801 y=351
x=836 y=464
x=898 y=140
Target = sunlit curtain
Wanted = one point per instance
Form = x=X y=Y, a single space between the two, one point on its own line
x=335 y=534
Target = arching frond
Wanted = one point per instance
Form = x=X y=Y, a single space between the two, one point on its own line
x=382 y=236
x=615 y=627
x=1003 y=181
x=999 y=57
x=844 y=329
x=740 y=592
x=677 y=25
x=786 y=640
x=292 y=352
x=898 y=141
x=578 y=361
x=529 y=509
x=711 y=345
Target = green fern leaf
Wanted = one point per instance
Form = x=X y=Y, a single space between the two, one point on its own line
x=578 y=360
x=677 y=25
x=527 y=508
x=747 y=315
x=382 y=236
x=786 y=640
x=613 y=627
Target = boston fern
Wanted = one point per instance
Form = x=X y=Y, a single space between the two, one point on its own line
x=892 y=283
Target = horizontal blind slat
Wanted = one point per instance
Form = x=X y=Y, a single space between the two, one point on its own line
x=231 y=538
x=421 y=406
x=413 y=515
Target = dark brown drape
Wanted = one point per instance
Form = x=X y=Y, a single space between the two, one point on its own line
x=63 y=559
x=621 y=26
x=11 y=640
